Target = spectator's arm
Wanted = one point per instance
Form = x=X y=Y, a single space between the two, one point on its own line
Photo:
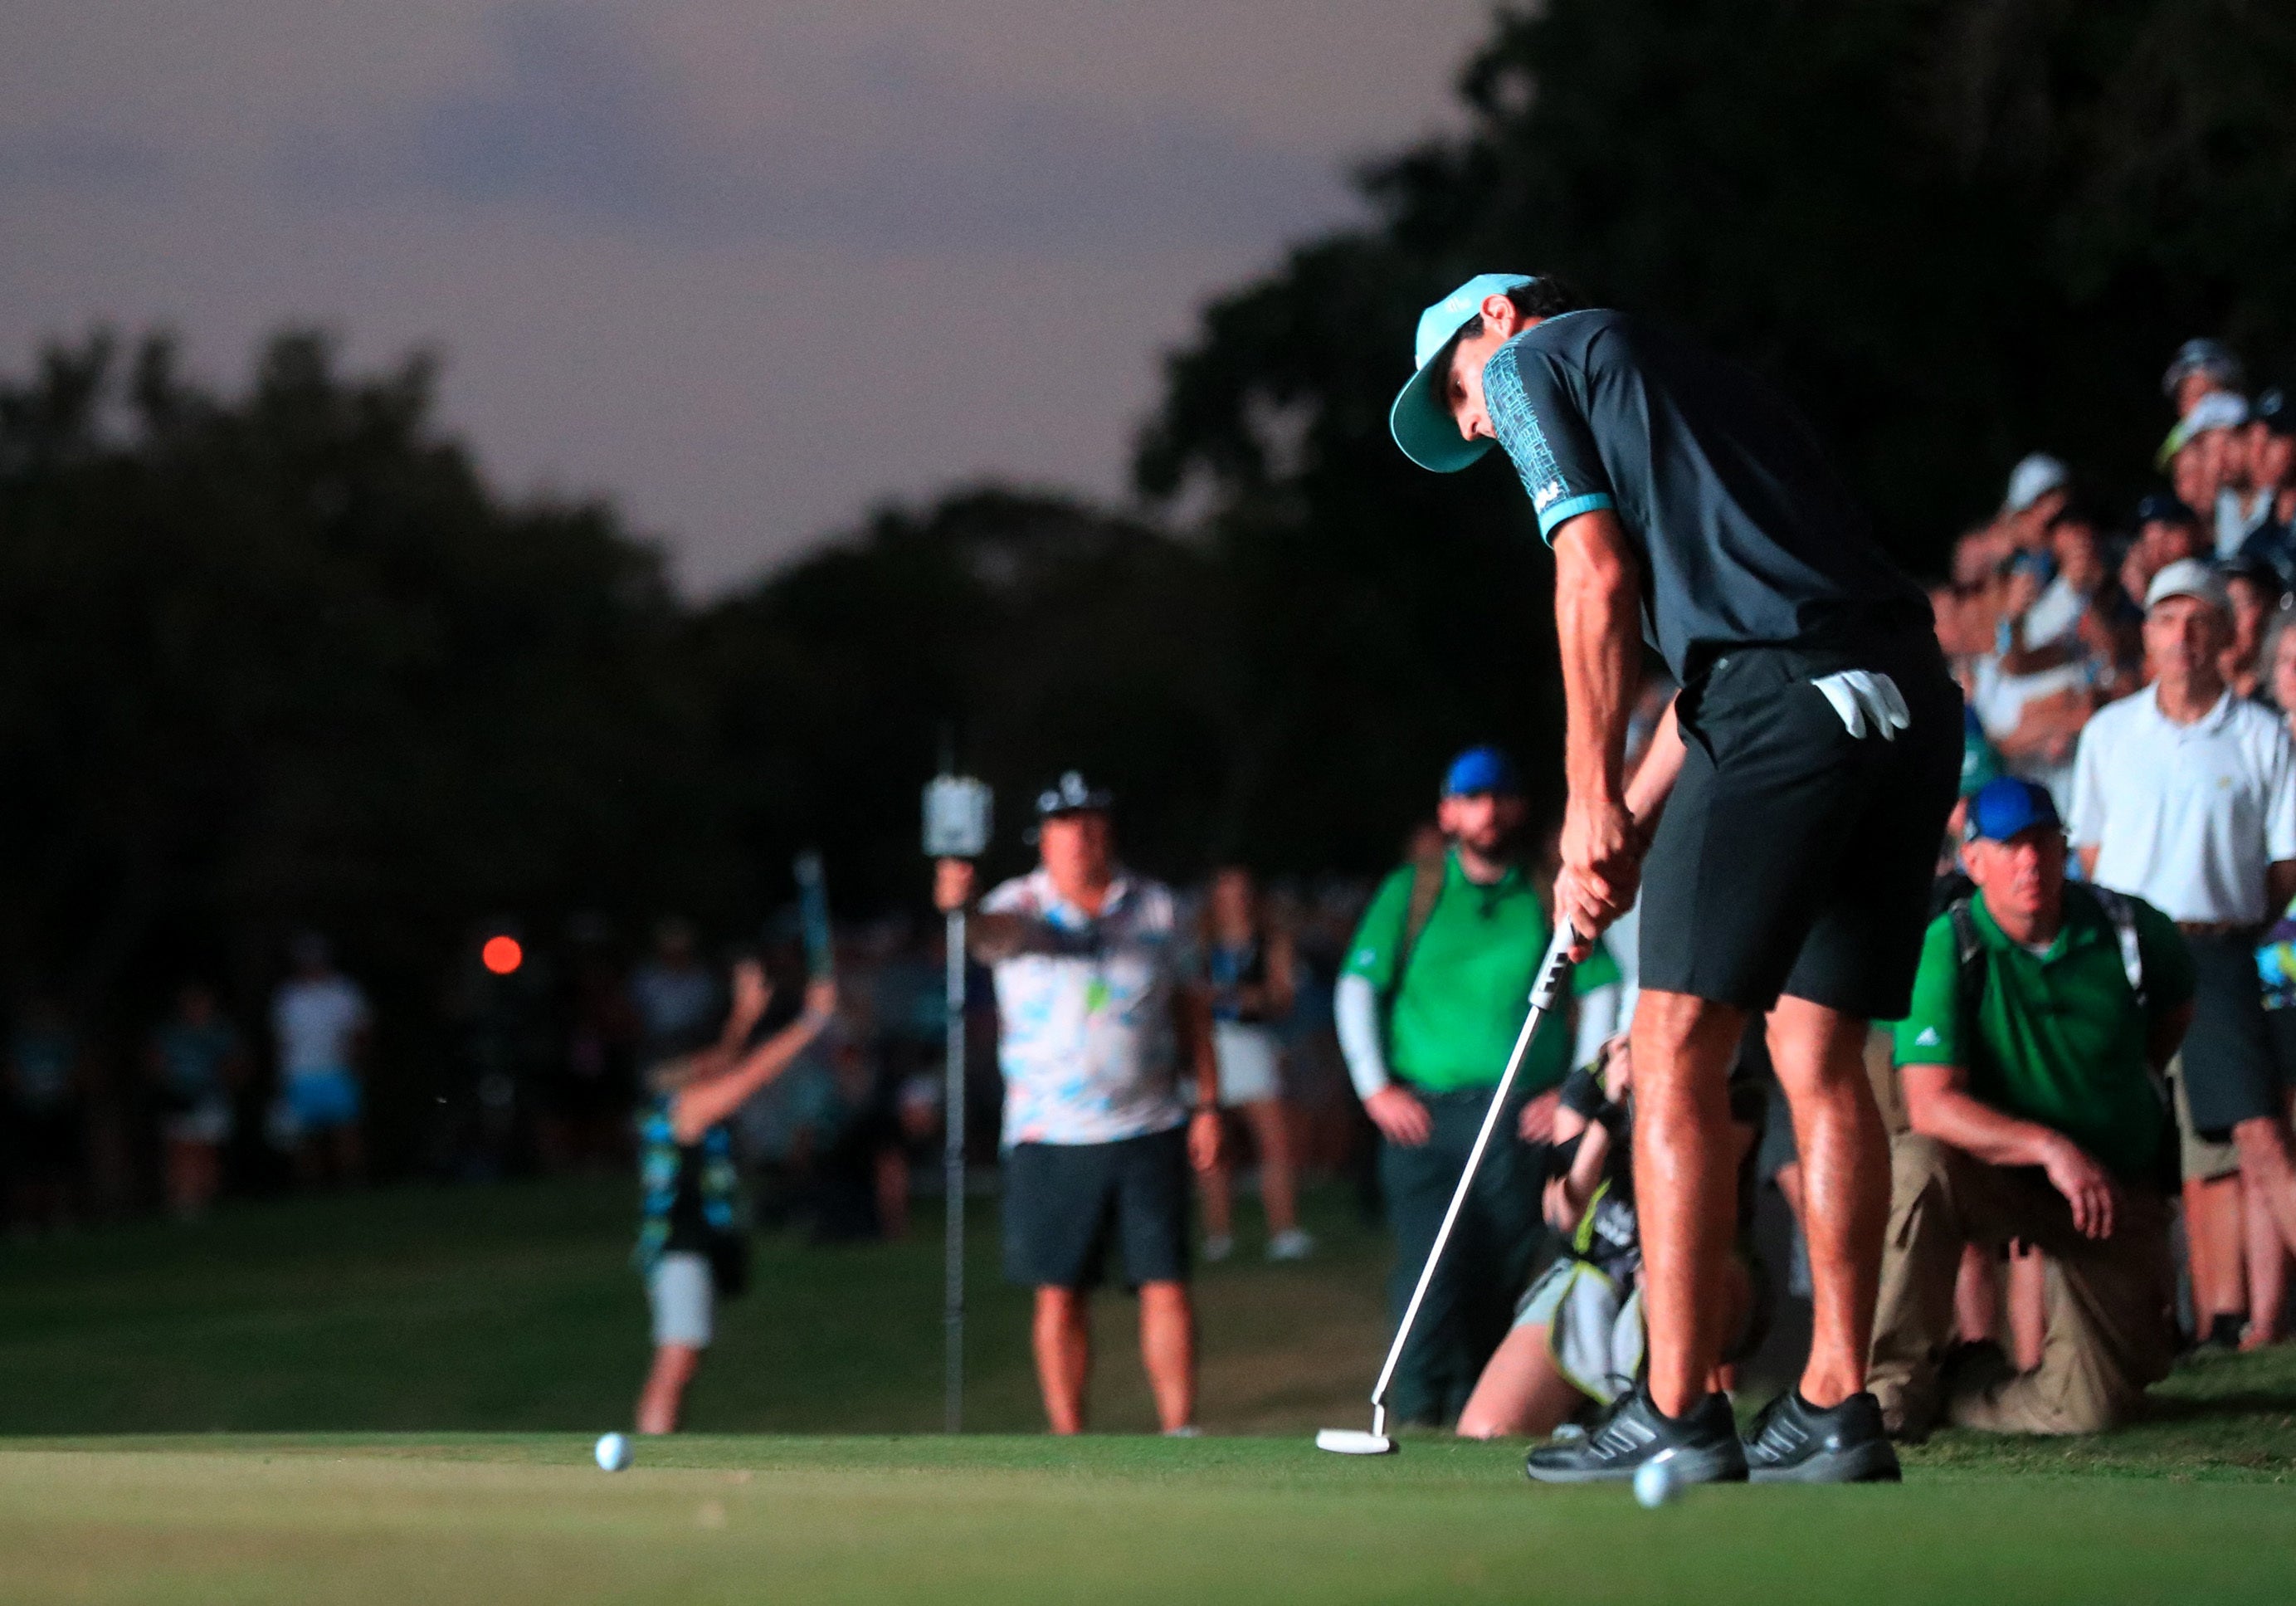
x=2279 y=883
x=1191 y=1018
x=2165 y=1035
x=708 y=1099
x=1938 y=1105
x=1283 y=975
x=2085 y=825
x=1565 y=1203
x=2168 y=983
x=1355 y=1010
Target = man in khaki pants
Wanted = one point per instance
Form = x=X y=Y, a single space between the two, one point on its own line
x=2042 y=1016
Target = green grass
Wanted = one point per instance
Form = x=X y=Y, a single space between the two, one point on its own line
x=1011 y=1520
x=515 y=1308
x=391 y=1399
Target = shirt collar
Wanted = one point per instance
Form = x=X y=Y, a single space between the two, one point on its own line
x=1454 y=874
x=2082 y=926
x=2214 y=719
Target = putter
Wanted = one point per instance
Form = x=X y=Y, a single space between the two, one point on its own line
x=1351 y=1441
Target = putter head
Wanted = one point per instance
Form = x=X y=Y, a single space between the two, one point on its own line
x=1354 y=1441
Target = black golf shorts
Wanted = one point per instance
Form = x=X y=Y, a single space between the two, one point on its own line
x=1064 y=1201
x=1794 y=858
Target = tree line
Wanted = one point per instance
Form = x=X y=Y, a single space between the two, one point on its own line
x=277 y=656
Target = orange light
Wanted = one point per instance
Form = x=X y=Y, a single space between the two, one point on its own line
x=502 y=955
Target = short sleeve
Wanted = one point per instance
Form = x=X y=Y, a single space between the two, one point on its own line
x=1371 y=954
x=1545 y=435
x=2170 y=980
x=2280 y=797
x=2086 y=829
x=1930 y=1033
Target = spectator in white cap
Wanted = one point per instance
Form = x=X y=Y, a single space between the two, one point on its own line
x=2038 y=489
x=2206 y=455
x=2199 y=367
x=2184 y=795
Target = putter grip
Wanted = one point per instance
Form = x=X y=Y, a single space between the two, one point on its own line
x=1552 y=969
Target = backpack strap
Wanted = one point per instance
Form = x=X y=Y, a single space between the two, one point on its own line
x=2120 y=909
x=1427 y=877
x=1969 y=968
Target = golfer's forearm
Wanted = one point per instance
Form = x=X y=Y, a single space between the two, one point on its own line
x=1355 y=1010
x=1597 y=599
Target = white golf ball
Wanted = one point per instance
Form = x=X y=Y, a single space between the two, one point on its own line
x=1654 y=1484
x=614 y=1453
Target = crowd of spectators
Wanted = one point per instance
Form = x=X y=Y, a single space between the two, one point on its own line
x=2143 y=669
x=534 y=1060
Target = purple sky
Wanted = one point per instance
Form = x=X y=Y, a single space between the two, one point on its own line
x=746 y=268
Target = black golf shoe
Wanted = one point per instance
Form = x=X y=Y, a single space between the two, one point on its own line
x=1700 y=1446
x=1793 y=1441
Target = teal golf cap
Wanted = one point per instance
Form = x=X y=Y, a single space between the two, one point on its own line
x=1420 y=419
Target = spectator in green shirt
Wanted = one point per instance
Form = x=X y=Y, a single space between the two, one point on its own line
x=2042 y=1016
x=1428 y=1002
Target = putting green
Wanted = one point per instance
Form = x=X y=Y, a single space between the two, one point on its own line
x=510 y=1519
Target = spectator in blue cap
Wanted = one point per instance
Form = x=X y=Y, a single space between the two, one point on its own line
x=1428 y=1002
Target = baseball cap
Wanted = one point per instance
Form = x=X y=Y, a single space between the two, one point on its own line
x=2002 y=807
x=2275 y=412
x=2217 y=410
x=2162 y=508
x=2212 y=357
x=1073 y=794
x=2033 y=478
x=1482 y=769
x=2187 y=577
x=1420 y=419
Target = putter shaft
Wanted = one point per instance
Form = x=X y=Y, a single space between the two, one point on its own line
x=1543 y=991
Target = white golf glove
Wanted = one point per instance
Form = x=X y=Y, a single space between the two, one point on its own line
x=1863 y=697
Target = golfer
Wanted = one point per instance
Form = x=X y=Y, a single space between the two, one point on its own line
x=1811 y=758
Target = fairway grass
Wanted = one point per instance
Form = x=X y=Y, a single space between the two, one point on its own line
x=517 y=1519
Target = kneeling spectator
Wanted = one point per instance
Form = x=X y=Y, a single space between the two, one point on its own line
x=2042 y=1017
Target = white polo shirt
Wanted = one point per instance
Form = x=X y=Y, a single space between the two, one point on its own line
x=2186 y=817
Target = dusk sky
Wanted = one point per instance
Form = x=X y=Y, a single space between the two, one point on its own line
x=746 y=268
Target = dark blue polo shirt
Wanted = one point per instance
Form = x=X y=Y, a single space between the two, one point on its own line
x=1747 y=536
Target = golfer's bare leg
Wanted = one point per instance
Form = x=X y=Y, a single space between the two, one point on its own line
x=1685 y=1184
x=1062 y=1339
x=1167 y=1351
x=662 y=1399
x=1820 y=1058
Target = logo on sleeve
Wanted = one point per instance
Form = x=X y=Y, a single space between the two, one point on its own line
x=1927 y=1039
